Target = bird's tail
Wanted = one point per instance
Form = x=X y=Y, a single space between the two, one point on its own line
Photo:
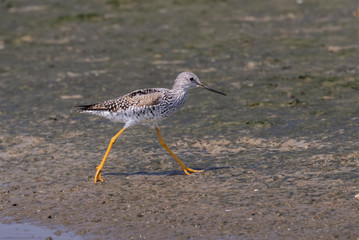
x=91 y=107
x=84 y=108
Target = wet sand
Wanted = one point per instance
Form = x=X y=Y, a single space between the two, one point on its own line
x=280 y=152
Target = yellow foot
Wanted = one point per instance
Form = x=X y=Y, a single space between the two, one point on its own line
x=98 y=175
x=186 y=170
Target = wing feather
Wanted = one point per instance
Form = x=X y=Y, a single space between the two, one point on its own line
x=138 y=98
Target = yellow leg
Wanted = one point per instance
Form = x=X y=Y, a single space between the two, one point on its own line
x=184 y=168
x=99 y=168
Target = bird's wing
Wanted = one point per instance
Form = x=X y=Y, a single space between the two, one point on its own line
x=138 y=98
x=144 y=97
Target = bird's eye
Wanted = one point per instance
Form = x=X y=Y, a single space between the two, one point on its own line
x=192 y=79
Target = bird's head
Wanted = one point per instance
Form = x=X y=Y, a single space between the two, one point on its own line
x=188 y=80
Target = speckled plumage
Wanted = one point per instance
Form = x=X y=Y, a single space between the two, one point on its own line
x=148 y=105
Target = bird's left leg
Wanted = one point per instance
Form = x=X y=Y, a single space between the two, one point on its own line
x=184 y=168
x=99 y=168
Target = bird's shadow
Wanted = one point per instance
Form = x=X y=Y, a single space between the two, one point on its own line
x=163 y=173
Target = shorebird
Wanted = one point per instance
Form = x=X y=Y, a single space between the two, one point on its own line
x=146 y=106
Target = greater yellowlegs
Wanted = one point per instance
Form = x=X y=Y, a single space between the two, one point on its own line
x=146 y=106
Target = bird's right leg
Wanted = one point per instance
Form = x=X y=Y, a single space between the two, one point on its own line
x=99 y=167
x=184 y=168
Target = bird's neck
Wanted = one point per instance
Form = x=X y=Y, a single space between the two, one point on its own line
x=179 y=86
x=179 y=95
x=179 y=92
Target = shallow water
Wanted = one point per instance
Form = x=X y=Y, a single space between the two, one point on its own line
x=19 y=231
x=280 y=151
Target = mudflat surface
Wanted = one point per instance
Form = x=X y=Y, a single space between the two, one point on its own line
x=280 y=152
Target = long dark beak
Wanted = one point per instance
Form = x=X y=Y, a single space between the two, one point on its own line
x=211 y=89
